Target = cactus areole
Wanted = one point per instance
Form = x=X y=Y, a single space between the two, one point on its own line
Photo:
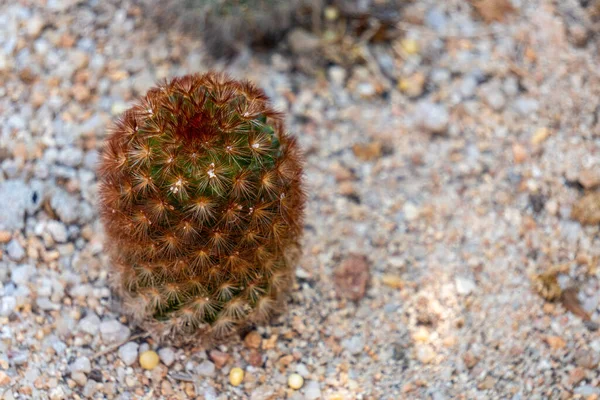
x=202 y=203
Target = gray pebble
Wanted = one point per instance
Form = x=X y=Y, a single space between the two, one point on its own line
x=587 y=390
x=436 y=20
x=167 y=356
x=526 y=106
x=495 y=99
x=113 y=331
x=65 y=205
x=81 y=364
x=354 y=345
x=57 y=230
x=15 y=196
x=433 y=117
x=71 y=156
x=128 y=353
x=312 y=391
x=90 y=324
x=14 y=250
x=8 y=305
x=206 y=368
x=464 y=286
x=46 y=304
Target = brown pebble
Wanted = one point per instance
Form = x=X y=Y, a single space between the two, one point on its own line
x=5 y=236
x=219 y=358
x=352 y=277
x=4 y=379
x=556 y=342
x=576 y=375
x=587 y=209
x=589 y=178
x=470 y=360
x=519 y=153
x=255 y=358
x=253 y=340
x=368 y=152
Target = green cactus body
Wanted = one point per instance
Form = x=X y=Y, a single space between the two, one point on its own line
x=202 y=201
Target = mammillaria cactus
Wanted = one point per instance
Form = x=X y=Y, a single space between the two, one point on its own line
x=202 y=203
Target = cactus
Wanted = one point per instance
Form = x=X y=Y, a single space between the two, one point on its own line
x=202 y=203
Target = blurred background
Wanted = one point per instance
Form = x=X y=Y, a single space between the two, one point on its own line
x=451 y=242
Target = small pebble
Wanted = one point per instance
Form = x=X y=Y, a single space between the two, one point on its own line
x=295 y=381
x=128 y=353
x=149 y=359
x=236 y=376
x=167 y=356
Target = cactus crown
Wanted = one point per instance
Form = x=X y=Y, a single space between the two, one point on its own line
x=202 y=201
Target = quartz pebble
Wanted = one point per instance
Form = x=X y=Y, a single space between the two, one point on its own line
x=128 y=353
x=149 y=359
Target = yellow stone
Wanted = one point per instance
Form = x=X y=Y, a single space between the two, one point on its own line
x=410 y=46
x=295 y=381
x=236 y=376
x=149 y=359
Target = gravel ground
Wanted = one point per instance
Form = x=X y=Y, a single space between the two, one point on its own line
x=451 y=159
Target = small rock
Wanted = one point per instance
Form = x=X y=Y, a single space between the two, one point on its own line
x=587 y=358
x=71 y=156
x=57 y=393
x=337 y=75
x=149 y=359
x=425 y=353
x=16 y=198
x=556 y=342
x=464 y=286
x=312 y=390
x=22 y=274
x=81 y=364
x=113 y=331
x=411 y=212
x=576 y=375
x=65 y=205
x=57 y=230
x=90 y=324
x=302 y=41
x=219 y=358
x=8 y=305
x=128 y=353
x=206 y=368
x=14 y=250
x=90 y=388
x=587 y=209
x=526 y=106
x=589 y=178
x=35 y=24
x=79 y=378
x=355 y=344
x=540 y=136
x=470 y=360
x=432 y=117
x=253 y=340
x=488 y=383
x=352 y=276
x=236 y=376
x=519 y=153
x=167 y=356
x=414 y=85
x=495 y=99
x=44 y=303
x=587 y=390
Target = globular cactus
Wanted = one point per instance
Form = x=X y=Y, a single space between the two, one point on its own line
x=202 y=202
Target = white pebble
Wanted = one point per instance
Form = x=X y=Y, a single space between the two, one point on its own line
x=81 y=364
x=167 y=356
x=113 y=331
x=90 y=324
x=128 y=353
